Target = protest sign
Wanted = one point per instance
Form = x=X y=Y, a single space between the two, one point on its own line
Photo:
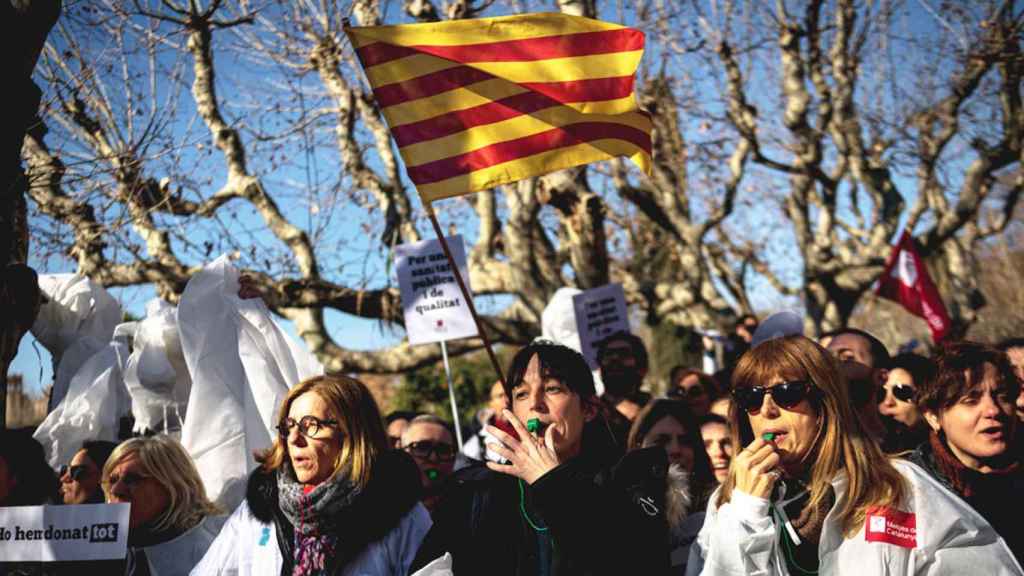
x=600 y=312
x=435 y=309
x=64 y=533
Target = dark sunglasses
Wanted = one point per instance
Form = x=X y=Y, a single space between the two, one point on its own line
x=309 y=426
x=75 y=472
x=902 y=392
x=443 y=452
x=786 y=395
x=680 y=393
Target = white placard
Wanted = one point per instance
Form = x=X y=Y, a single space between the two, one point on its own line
x=600 y=312
x=434 y=307
x=64 y=533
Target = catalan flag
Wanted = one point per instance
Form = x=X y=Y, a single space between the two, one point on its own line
x=473 y=104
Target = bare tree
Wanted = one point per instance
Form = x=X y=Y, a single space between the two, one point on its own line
x=179 y=123
x=869 y=116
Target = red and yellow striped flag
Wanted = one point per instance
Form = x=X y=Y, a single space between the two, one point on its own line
x=473 y=104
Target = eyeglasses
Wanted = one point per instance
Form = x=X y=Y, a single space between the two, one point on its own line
x=309 y=426
x=902 y=392
x=680 y=393
x=130 y=479
x=786 y=395
x=444 y=452
x=76 y=473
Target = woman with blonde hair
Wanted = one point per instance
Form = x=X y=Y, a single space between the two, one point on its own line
x=172 y=522
x=329 y=497
x=812 y=493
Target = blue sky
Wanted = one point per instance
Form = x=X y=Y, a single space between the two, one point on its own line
x=308 y=184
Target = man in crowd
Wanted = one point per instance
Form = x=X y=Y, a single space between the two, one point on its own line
x=1014 y=348
x=622 y=360
x=395 y=424
x=429 y=441
x=863 y=358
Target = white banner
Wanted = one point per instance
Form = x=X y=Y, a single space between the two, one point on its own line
x=434 y=307
x=64 y=533
x=600 y=312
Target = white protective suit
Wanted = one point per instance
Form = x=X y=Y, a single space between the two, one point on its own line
x=740 y=538
x=242 y=366
x=155 y=374
x=92 y=408
x=247 y=547
x=178 y=555
x=75 y=323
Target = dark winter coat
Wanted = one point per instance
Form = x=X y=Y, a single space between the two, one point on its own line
x=995 y=496
x=599 y=521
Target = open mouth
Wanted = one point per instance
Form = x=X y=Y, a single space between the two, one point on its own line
x=994 y=433
x=776 y=436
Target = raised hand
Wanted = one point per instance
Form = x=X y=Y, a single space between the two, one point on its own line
x=755 y=468
x=530 y=457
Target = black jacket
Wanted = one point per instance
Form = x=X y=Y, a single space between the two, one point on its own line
x=996 y=496
x=601 y=521
x=394 y=489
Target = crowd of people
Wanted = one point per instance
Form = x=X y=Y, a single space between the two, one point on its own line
x=785 y=456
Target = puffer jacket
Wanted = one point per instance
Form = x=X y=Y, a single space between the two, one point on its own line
x=383 y=528
x=935 y=533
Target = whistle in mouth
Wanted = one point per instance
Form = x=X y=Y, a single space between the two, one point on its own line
x=532 y=425
x=768 y=436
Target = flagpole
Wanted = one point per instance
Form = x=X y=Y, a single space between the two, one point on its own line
x=465 y=291
x=451 y=395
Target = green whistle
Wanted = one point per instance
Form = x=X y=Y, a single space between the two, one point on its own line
x=432 y=474
x=768 y=436
x=532 y=425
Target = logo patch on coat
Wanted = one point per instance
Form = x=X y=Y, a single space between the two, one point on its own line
x=891 y=526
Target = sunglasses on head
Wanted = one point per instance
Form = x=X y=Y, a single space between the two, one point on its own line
x=76 y=473
x=786 y=395
x=902 y=392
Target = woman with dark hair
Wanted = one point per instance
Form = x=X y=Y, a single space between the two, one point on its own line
x=80 y=478
x=974 y=448
x=904 y=425
x=329 y=497
x=25 y=477
x=564 y=504
x=812 y=493
x=669 y=425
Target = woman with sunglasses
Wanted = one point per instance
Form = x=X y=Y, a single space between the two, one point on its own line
x=669 y=425
x=330 y=497
x=810 y=493
x=561 y=504
x=974 y=448
x=171 y=523
x=80 y=480
x=905 y=427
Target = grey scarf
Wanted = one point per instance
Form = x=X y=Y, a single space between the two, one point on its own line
x=319 y=512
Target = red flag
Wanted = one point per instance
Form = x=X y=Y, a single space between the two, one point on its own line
x=906 y=281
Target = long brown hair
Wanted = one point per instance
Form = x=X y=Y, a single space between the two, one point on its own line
x=842 y=443
x=360 y=425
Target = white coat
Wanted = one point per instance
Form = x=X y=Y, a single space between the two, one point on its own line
x=247 y=547
x=740 y=538
x=178 y=555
